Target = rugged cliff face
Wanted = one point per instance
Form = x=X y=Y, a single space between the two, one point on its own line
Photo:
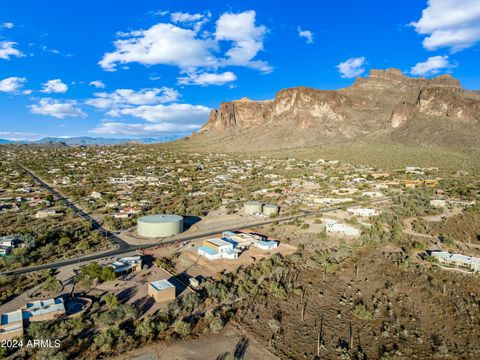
x=237 y=115
x=382 y=104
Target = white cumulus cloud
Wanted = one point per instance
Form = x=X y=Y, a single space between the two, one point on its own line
x=128 y=97
x=195 y=20
x=306 y=34
x=12 y=84
x=8 y=25
x=57 y=108
x=449 y=23
x=190 y=50
x=7 y=50
x=247 y=39
x=432 y=66
x=97 y=83
x=161 y=44
x=205 y=79
x=180 y=17
x=55 y=86
x=160 y=119
x=352 y=67
x=178 y=113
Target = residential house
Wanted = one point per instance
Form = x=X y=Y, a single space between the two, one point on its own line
x=12 y=324
x=363 y=212
x=335 y=227
x=457 y=260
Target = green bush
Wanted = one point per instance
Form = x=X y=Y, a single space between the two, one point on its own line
x=361 y=312
x=182 y=328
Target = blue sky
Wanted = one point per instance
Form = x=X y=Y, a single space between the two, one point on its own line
x=147 y=68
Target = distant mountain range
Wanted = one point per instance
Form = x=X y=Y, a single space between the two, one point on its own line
x=89 y=141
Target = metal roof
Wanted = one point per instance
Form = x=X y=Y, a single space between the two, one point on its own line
x=208 y=250
x=219 y=242
x=160 y=285
x=11 y=317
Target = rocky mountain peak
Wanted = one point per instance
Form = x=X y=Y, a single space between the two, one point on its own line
x=395 y=78
x=385 y=102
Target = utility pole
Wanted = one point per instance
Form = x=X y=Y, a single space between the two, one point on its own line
x=351 y=336
x=320 y=338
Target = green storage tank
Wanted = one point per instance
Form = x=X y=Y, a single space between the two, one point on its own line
x=270 y=210
x=162 y=225
x=252 y=207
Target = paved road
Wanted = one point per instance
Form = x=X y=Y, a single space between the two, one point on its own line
x=124 y=247
x=78 y=211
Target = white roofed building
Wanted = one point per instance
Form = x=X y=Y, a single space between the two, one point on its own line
x=363 y=212
x=333 y=226
x=459 y=260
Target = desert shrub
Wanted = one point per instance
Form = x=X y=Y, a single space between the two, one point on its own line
x=447 y=241
x=182 y=328
x=216 y=324
x=51 y=284
x=111 y=300
x=93 y=271
x=361 y=312
x=145 y=329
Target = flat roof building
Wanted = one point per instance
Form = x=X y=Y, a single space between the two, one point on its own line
x=335 y=227
x=10 y=240
x=12 y=324
x=242 y=240
x=209 y=253
x=363 y=212
x=162 y=291
x=459 y=260
x=214 y=249
x=126 y=264
x=220 y=245
x=5 y=250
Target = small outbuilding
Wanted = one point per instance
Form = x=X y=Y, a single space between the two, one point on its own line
x=162 y=291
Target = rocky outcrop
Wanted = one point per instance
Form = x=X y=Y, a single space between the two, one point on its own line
x=443 y=102
x=236 y=115
x=382 y=103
